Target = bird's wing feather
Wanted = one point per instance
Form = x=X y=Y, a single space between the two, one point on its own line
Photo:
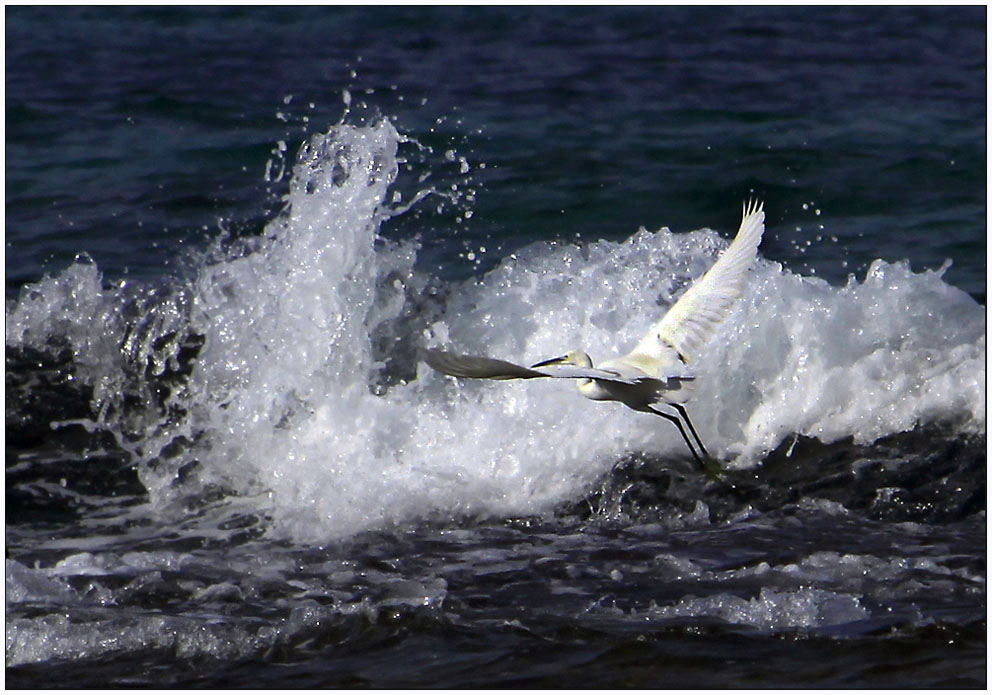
x=572 y=371
x=472 y=367
x=690 y=323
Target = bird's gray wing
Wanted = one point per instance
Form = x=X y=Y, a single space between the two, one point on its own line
x=572 y=371
x=470 y=367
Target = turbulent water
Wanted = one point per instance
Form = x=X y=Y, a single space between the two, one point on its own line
x=233 y=471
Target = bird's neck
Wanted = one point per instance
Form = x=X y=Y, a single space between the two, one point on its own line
x=593 y=390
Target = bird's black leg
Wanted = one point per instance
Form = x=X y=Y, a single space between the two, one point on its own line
x=678 y=423
x=707 y=463
x=685 y=416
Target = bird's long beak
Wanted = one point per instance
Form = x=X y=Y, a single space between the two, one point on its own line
x=553 y=360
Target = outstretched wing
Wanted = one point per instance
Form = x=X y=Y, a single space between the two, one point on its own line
x=691 y=322
x=471 y=367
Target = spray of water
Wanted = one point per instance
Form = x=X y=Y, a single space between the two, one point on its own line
x=282 y=372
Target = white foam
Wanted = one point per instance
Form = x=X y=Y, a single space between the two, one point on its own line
x=772 y=610
x=281 y=402
x=23 y=583
x=852 y=569
x=110 y=564
x=96 y=620
x=58 y=637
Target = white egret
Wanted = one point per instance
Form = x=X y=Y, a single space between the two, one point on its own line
x=655 y=374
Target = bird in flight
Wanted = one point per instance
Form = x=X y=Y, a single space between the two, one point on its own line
x=655 y=376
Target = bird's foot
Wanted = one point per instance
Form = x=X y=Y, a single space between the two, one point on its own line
x=712 y=469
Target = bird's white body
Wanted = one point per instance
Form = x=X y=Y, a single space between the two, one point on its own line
x=656 y=371
x=637 y=384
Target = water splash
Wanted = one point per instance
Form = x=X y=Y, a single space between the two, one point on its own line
x=282 y=372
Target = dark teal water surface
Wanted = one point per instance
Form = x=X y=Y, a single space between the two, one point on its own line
x=140 y=135
x=130 y=131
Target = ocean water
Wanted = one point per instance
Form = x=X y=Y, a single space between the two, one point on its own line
x=228 y=232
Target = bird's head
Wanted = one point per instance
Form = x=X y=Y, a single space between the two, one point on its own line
x=574 y=357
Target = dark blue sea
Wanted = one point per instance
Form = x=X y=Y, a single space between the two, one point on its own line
x=230 y=231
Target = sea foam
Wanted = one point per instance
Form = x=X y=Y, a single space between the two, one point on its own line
x=294 y=403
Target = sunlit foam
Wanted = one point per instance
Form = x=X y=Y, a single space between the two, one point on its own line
x=283 y=403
